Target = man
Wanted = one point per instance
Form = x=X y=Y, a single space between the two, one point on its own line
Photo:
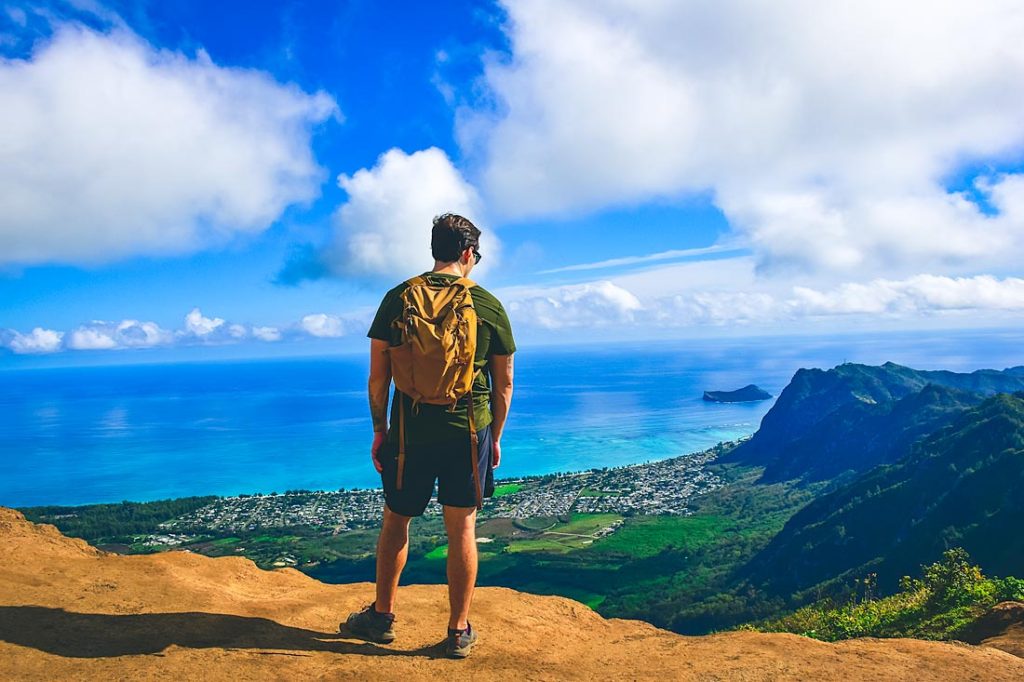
x=437 y=442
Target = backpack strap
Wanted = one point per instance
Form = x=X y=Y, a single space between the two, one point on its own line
x=401 y=440
x=416 y=281
x=474 y=449
x=474 y=446
x=464 y=282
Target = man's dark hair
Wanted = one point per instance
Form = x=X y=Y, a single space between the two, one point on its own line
x=452 y=234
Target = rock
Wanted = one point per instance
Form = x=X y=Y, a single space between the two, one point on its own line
x=1002 y=627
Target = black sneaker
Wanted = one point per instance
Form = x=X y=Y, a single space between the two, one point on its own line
x=370 y=625
x=460 y=642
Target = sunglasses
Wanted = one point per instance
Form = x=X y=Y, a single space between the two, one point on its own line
x=476 y=255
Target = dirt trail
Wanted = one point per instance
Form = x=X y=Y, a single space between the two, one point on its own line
x=69 y=611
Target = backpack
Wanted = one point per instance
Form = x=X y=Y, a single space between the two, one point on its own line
x=434 y=362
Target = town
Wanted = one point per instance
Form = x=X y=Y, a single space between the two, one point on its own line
x=662 y=487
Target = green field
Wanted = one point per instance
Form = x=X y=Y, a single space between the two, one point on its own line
x=438 y=553
x=507 y=489
x=647 y=536
x=225 y=542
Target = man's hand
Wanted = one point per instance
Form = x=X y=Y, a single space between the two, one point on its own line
x=378 y=440
x=495 y=454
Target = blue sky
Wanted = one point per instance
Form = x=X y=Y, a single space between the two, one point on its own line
x=188 y=180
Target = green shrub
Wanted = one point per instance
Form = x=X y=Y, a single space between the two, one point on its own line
x=1009 y=589
x=952 y=593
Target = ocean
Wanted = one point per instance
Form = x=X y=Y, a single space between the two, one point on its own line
x=82 y=435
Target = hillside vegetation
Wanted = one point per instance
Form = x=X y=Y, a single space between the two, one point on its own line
x=961 y=486
x=945 y=603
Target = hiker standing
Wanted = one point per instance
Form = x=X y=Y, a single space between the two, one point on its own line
x=447 y=344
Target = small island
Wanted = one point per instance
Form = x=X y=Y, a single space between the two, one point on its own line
x=747 y=394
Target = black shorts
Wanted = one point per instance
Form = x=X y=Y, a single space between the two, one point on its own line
x=448 y=463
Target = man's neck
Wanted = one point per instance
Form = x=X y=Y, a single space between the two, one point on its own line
x=453 y=268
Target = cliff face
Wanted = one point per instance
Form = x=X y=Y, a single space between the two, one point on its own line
x=69 y=611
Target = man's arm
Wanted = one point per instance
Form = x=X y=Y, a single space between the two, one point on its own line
x=379 y=385
x=501 y=367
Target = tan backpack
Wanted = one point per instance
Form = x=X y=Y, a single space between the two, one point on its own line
x=434 y=362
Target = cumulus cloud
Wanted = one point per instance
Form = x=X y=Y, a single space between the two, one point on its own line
x=383 y=229
x=826 y=132
x=111 y=148
x=919 y=294
x=322 y=325
x=99 y=335
x=197 y=329
x=199 y=326
x=37 y=341
x=595 y=304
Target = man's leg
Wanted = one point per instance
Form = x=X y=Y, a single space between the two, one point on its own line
x=392 y=552
x=460 y=523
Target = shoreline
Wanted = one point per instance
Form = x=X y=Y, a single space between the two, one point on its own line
x=527 y=479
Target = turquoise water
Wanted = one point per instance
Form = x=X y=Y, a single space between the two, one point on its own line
x=143 y=432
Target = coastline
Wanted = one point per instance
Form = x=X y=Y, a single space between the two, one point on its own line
x=609 y=477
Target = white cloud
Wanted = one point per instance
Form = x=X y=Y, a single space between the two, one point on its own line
x=322 y=325
x=197 y=329
x=111 y=148
x=384 y=227
x=201 y=327
x=37 y=341
x=595 y=304
x=99 y=335
x=823 y=130
x=268 y=334
x=198 y=325
x=916 y=295
x=91 y=338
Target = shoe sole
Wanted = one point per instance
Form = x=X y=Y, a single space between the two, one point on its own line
x=386 y=638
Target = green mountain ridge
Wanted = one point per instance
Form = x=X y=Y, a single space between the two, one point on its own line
x=962 y=486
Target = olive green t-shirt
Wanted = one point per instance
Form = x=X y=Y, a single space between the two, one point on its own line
x=435 y=423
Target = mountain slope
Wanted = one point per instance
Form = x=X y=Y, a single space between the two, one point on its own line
x=851 y=418
x=68 y=611
x=961 y=486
